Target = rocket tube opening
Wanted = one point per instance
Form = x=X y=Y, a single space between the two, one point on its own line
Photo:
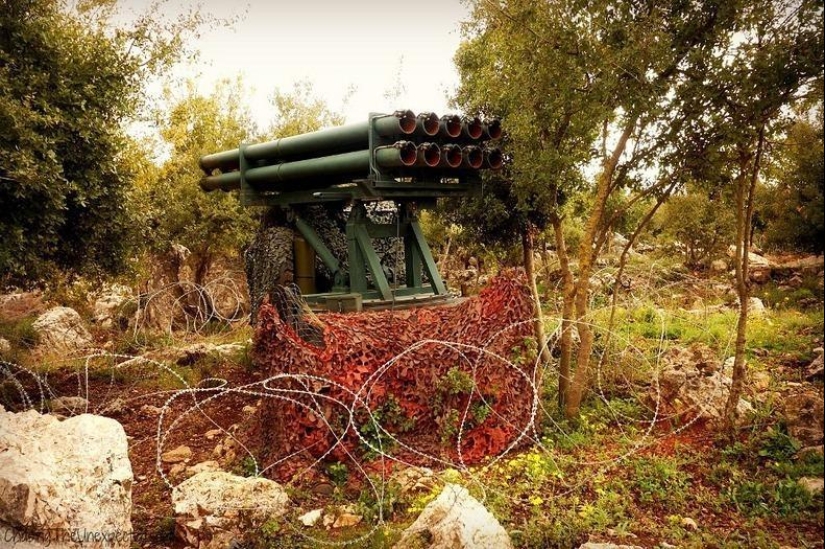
x=493 y=158
x=452 y=156
x=472 y=127
x=429 y=154
x=473 y=157
x=492 y=128
x=428 y=123
x=406 y=121
x=451 y=125
x=407 y=152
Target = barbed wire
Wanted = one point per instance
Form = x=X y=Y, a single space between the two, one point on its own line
x=204 y=399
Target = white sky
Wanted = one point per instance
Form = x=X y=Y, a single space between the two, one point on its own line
x=371 y=46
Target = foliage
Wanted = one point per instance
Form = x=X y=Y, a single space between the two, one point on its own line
x=171 y=205
x=70 y=79
x=704 y=226
x=300 y=111
x=791 y=205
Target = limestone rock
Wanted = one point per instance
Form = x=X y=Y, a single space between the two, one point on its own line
x=177 y=455
x=803 y=411
x=311 y=518
x=61 y=328
x=689 y=524
x=203 y=467
x=756 y=307
x=455 y=520
x=693 y=383
x=69 y=405
x=111 y=303
x=62 y=476
x=718 y=266
x=214 y=508
x=412 y=480
x=812 y=485
x=814 y=372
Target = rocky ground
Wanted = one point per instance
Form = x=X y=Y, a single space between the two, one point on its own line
x=646 y=465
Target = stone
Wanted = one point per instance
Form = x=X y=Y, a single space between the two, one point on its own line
x=342 y=516
x=69 y=405
x=803 y=411
x=810 y=452
x=814 y=371
x=619 y=241
x=455 y=520
x=149 y=410
x=693 y=383
x=759 y=274
x=61 y=328
x=812 y=485
x=203 y=467
x=215 y=509
x=64 y=476
x=689 y=524
x=761 y=381
x=718 y=266
x=177 y=455
x=414 y=480
x=311 y=518
x=115 y=407
x=111 y=303
x=756 y=307
x=5 y=346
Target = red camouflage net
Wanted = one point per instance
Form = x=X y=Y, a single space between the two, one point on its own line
x=420 y=398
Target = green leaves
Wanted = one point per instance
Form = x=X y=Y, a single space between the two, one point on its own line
x=69 y=81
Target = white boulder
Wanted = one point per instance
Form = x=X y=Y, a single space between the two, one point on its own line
x=455 y=520
x=62 y=328
x=694 y=383
x=213 y=508
x=61 y=478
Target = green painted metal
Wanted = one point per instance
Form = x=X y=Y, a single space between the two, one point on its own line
x=315 y=172
x=358 y=163
x=423 y=249
x=362 y=254
x=323 y=252
x=326 y=142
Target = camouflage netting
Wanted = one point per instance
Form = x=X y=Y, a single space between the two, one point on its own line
x=421 y=383
x=269 y=264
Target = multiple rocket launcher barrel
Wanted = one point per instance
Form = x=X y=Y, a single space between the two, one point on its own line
x=408 y=145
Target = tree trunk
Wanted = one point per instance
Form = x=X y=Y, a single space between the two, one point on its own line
x=587 y=256
x=538 y=318
x=569 y=295
x=745 y=188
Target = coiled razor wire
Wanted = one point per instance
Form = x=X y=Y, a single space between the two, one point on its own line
x=33 y=390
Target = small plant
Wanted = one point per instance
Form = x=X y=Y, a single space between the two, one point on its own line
x=382 y=505
x=165 y=530
x=455 y=382
x=247 y=467
x=338 y=473
x=375 y=432
x=448 y=424
x=778 y=445
x=660 y=480
x=20 y=333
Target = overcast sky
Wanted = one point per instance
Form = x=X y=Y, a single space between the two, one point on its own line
x=380 y=49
